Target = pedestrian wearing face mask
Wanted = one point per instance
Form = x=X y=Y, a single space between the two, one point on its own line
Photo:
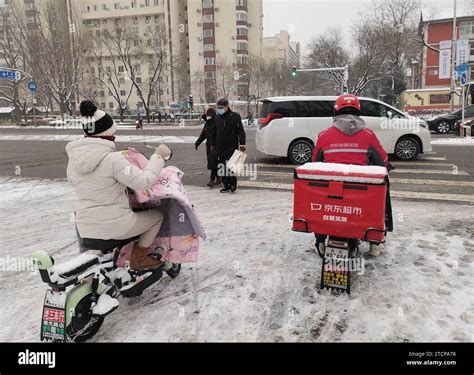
x=211 y=155
x=226 y=136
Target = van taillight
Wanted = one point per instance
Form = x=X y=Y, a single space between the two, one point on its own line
x=270 y=117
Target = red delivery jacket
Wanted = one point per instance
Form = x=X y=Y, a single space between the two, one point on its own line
x=348 y=141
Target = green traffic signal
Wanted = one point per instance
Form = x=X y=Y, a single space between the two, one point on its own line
x=294 y=72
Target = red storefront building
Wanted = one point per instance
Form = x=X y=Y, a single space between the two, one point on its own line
x=433 y=92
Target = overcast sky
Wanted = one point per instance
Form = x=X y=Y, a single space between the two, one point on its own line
x=307 y=18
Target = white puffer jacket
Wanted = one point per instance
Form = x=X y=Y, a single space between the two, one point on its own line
x=100 y=177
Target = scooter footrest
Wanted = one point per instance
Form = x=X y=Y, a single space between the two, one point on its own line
x=141 y=282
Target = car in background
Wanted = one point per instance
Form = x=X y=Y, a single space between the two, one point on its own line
x=450 y=121
x=289 y=127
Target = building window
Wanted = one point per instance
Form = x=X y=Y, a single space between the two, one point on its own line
x=147 y=19
x=104 y=7
x=242 y=60
x=466 y=29
x=209 y=61
x=134 y=4
x=241 y=3
x=157 y=18
x=108 y=69
x=241 y=31
x=208 y=33
x=439 y=99
x=116 y=5
x=210 y=75
x=122 y=93
x=121 y=69
x=156 y=2
x=242 y=46
x=242 y=17
x=208 y=47
x=207 y=3
x=208 y=18
x=111 y=105
x=122 y=81
x=433 y=72
x=147 y=3
x=138 y=79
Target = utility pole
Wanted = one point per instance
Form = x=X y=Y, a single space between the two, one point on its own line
x=453 y=60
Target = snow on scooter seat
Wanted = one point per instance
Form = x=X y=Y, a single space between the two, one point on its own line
x=369 y=174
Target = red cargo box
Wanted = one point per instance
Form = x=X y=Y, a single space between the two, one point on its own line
x=340 y=200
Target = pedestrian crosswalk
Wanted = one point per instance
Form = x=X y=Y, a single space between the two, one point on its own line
x=144 y=139
x=427 y=178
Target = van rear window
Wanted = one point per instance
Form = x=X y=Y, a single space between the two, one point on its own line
x=298 y=108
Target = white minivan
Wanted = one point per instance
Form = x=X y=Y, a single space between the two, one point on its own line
x=289 y=127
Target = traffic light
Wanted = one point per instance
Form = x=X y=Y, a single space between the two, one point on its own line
x=294 y=72
x=190 y=102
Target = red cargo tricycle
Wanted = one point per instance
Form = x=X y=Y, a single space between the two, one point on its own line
x=343 y=205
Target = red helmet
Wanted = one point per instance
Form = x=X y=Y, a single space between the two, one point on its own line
x=347 y=100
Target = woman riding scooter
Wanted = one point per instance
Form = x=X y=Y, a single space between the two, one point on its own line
x=100 y=176
x=348 y=141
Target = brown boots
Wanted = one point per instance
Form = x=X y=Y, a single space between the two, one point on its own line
x=140 y=261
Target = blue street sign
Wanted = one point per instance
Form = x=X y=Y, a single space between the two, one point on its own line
x=461 y=68
x=464 y=78
x=32 y=86
x=10 y=74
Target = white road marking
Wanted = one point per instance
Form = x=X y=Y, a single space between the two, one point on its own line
x=410 y=181
x=120 y=138
x=394 y=193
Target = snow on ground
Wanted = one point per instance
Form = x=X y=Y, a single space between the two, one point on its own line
x=256 y=280
x=466 y=141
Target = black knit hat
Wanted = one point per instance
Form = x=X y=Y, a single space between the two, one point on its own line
x=223 y=102
x=96 y=122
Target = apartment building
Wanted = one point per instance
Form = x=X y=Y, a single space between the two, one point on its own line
x=223 y=36
x=207 y=40
x=280 y=48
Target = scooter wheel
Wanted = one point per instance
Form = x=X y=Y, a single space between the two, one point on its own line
x=82 y=317
x=174 y=271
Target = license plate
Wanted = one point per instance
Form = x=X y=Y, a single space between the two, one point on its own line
x=335 y=272
x=53 y=325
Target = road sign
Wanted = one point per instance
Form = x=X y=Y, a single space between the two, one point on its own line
x=32 y=86
x=10 y=74
x=463 y=78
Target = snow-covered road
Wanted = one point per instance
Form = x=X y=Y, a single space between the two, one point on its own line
x=256 y=279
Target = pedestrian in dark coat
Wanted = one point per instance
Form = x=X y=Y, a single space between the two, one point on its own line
x=227 y=135
x=211 y=155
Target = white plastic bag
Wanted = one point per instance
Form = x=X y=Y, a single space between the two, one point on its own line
x=236 y=162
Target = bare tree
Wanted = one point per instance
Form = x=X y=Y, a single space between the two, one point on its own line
x=12 y=91
x=137 y=50
x=225 y=78
x=56 y=59
x=327 y=51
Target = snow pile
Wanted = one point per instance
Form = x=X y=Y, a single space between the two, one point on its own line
x=256 y=280
x=105 y=305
